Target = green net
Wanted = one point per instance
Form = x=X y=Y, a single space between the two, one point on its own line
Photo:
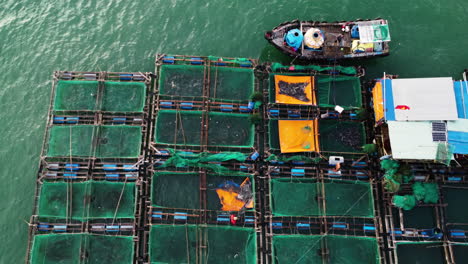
x=341 y=136
x=181 y=190
x=344 y=70
x=410 y=253
x=346 y=198
x=293 y=197
x=183 y=244
x=444 y=153
x=181 y=80
x=231 y=130
x=119 y=141
x=112 y=141
x=176 y=190
x=231 y=84
x=406 y=202
x=305 y=159
x=421 y=217
x=308 y=249
x=426 y=192
x=124 y=96
x=178 y=127
x=76 y=95
x=173 y=244
x=81 y=248
x=206 y=160
x=344 y=91
x=87 y=200
x=71 y=141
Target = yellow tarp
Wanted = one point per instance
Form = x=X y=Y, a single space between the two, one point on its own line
x=298 y=136
x=308 y=81
x=378 y=101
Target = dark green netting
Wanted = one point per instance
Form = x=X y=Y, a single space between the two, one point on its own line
x=176 y=190
x=119 y=142
x=273 y=134
x=427 y=192
x=421 y=217
x=459 y=252
x=179 y=244
x=341 y=136
x=231 y=245
x=231 y=84
x=345 y=198
x=303 y=158
x=178 y=127
x=231 y=61
x=181 y=190
x=112 y=141
x=71 y=141
x=55 y=202
x=81 y=248
x=299 y=197
x=76 y=95
x=341 y=249
x=87 y=200
x=294 y=197
x=181 y=80
x=112 y=200
x=456 y=198
x=344 y=70
x=55 y=249
x=124 y=96
x=173 y=244
x=420 y=253
x=344 y=91
x=232 y=130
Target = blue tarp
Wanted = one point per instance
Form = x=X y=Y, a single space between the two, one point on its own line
x=461 y=97
x=389 y=105
x=459 y=140
x=294 y=38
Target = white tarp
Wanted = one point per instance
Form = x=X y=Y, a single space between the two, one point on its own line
x=424 y=99
x=412 y=140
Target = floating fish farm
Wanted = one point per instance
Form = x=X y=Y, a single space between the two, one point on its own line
x=225 y=160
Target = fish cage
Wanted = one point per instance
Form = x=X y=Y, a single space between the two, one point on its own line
x=316 y=209
x=82 y=248
x=204 y=104
x=298 y=92
x=91 y=170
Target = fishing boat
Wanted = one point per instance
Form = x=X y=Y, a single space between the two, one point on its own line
x=313 y=40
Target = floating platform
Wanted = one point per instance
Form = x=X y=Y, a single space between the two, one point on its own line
x=196 y=164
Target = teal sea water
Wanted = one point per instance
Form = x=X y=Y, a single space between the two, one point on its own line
x=38 y=37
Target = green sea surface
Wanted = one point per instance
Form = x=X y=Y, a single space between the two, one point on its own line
x=38 y=37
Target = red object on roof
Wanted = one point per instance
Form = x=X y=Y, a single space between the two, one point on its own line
x=402 y=107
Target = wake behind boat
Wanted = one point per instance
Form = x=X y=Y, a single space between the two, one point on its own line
x=313 y=40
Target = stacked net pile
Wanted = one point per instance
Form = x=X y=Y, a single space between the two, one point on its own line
x=82 y=248
x=292 y=197
x=87 y=200
x=84 y=96
x=186 y=244
x=324 y=249
x=98 y=141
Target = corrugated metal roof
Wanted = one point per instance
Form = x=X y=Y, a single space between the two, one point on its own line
x=423 y=99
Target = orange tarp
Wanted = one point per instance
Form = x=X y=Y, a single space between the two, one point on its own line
x=378 y=101
x=229 y=200
x=306 y=81
x=298 y=136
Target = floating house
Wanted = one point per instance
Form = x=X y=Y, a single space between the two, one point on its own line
x=421 y=118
